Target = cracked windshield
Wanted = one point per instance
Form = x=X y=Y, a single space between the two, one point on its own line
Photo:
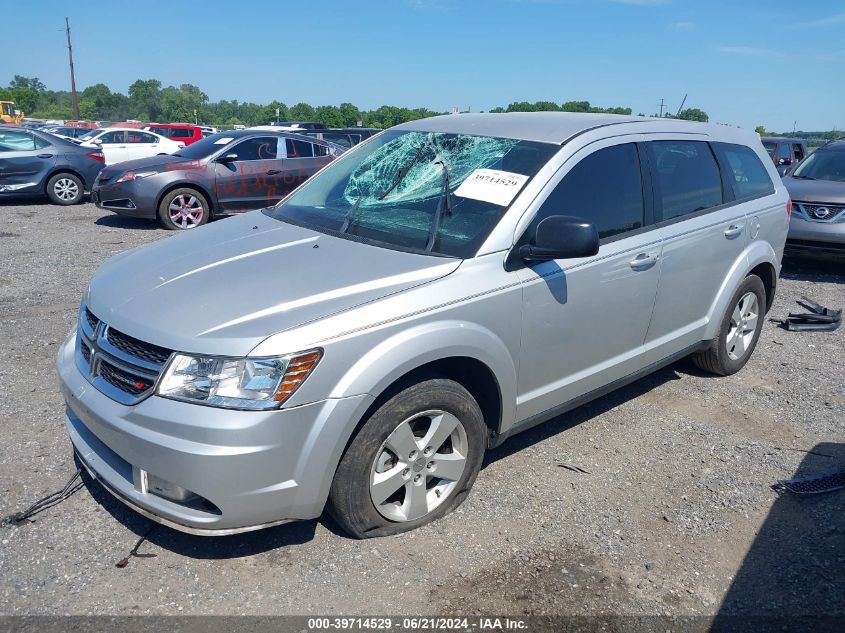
x=420 y=191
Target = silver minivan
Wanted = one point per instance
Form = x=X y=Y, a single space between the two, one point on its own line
x=440 y=287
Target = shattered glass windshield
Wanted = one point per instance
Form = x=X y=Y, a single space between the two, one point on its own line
x=418 y=191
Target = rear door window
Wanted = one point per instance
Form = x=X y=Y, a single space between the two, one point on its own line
x=686 y=177
x=785 y=152
x=181 y=132
x=745 y=172
x=113 y=137
x=604 y=188
x=798 y=152
x=299 y=149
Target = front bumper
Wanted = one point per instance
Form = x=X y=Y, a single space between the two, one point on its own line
x=206 y=470
x=133 y=198
x=810 y=237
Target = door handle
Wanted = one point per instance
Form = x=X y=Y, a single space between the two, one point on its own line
x=273 y=172
x=644 y=261
x=733 y=230
x=45 y=156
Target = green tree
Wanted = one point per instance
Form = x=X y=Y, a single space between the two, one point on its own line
x=694 y=114
x=145 y=97
x=331 y=116
x=351 y=114
x=302 y=112
x=761 y=130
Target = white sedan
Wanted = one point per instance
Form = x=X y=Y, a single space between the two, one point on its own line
x=120 y=144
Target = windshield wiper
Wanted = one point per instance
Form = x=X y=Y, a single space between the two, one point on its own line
x=444 y=205
x=403 y=171
x=805 y=177
x=350 y=215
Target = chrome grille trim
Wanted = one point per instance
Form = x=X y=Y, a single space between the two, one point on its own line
x=113 y=369
x=806 y=211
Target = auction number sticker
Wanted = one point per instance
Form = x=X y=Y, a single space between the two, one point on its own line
x=492 y=185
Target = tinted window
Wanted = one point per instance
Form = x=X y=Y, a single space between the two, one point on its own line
x=798 y=151
x=113 y=137
x=13 y=141
x=181 y=132
x=40 y=142
x=161 y=130
x=745 y=172
x=771 y=148
x=141 y=137
x=321 y=150
x=299 y=149
x=605 y=188
x=686 y=177
x=257 y=148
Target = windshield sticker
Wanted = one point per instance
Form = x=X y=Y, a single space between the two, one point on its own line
x=492 y=185
x=224 y=141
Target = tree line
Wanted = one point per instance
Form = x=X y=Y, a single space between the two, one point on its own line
x=147 y=100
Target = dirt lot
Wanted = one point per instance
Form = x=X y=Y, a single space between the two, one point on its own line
x=675 y=514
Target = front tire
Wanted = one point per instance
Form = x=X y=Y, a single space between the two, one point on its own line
x=739 y=332
x=183 y=209
x=65 y=189
x=414 y=461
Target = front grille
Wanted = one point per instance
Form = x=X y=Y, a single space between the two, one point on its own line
x=124 y=381
x=121 y=366
x=134 y=347
x=92 y=320
x=821 y=212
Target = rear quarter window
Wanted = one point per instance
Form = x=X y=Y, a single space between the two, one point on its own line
x=744 y=171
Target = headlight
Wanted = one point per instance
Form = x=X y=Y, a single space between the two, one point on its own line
x=135 y=175
x=237 y=383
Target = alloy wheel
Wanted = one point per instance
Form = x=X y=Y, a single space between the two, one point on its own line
x=743 y=326
x=186 y=211
x=418 y=466
x=66 y=189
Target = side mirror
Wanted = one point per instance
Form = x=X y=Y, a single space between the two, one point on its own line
x=561 y=237
x=97 y=141
x=227 y=158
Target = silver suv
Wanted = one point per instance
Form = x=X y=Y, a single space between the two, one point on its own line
x=442 y=286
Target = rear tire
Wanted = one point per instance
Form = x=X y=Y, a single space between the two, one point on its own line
x=65 y=189
x=414 y=461
x=183 y=209
x=739 y=332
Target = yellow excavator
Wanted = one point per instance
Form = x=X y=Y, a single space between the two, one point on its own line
x=8 y=113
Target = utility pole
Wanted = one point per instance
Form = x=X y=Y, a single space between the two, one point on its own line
x=72 y=77
x=661 y=107
x=682 y=105
x=794 y=125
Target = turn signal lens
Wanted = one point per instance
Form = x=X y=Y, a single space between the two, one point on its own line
x=299 y=368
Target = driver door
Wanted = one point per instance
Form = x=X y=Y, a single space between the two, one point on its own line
x=585 y=320
x=250 y=181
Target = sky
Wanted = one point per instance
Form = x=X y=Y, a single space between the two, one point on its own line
x=777 y=63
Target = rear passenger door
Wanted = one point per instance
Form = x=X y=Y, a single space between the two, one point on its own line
x=585 y=320
x=302 y=161
x=704 y=234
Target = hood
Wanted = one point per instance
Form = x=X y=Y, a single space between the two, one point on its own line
x=223 y=288
x=817 y=191
x=165 y=162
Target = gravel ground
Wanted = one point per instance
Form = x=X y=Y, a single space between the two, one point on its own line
x=675 y=514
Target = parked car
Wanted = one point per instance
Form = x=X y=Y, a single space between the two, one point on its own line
x=785 y=152
x=208 y=130
x=68 y=132
x=180 y=132
x=817 y=187
x=222 y=174
x=437 y=289
x=122 y=144
x=301 y=125
x=37 y=163
x=345 y=137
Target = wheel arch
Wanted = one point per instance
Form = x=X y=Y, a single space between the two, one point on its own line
x=758 y=258
x=55 y=171
x=188 y=184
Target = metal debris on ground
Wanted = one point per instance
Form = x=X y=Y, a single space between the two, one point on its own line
x=123 y=562
x=574 y=469
x=813 y=484
x=73 y=485
x=818 y=319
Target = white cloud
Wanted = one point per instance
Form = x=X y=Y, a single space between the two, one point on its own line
x=749 y=50
x=682 y=26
